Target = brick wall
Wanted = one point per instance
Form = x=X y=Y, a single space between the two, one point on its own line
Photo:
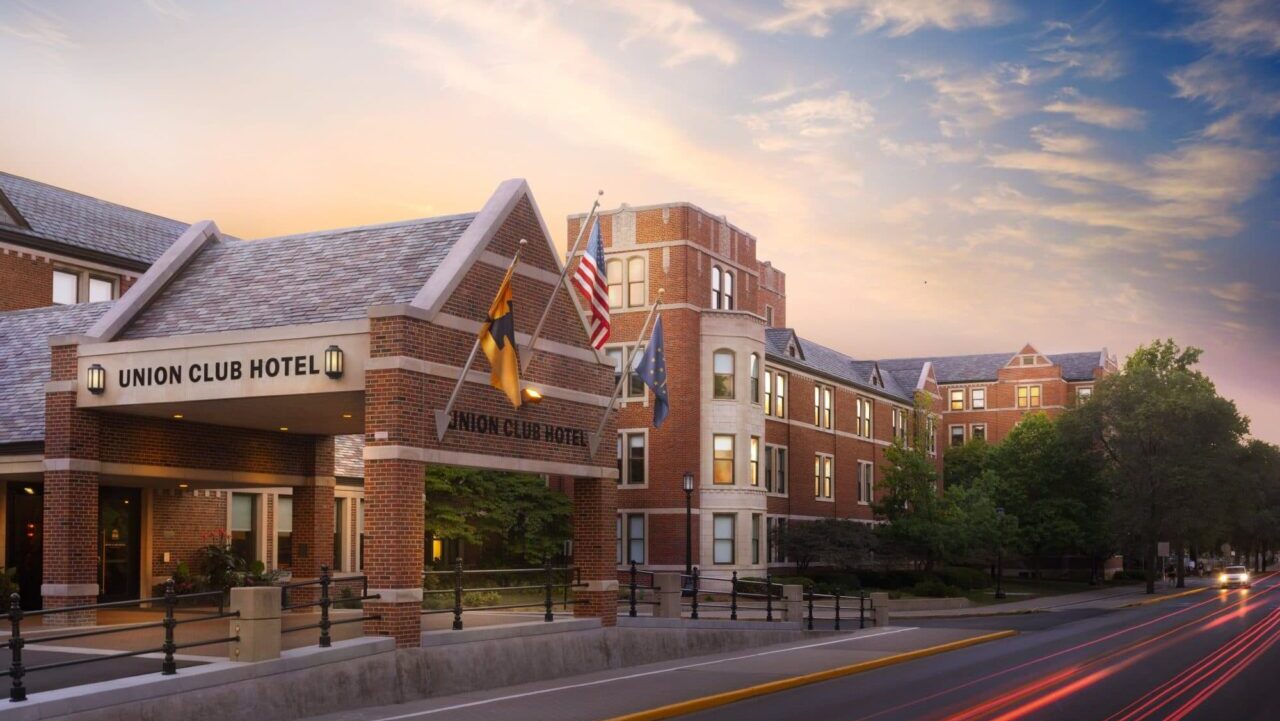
x=26 y=279
x=183 y=521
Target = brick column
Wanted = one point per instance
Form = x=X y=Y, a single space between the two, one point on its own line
x=395 y=433
x=595 y=508
x=312 y=538
x=71 y=469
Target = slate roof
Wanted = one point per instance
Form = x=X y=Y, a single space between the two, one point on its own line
x=298 y=279
x=833 y=364
x=89 y=223
x=25 y=367
x=984 y=366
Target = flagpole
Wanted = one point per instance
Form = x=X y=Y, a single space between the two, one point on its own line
x=537 y=330
x=594 y=440
x=442 y=417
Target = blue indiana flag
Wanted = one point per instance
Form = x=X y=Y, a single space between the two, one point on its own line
x=653 y=371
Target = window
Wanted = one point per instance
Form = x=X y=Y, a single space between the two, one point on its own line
x=768 y=393
x=755 y=378
x=728 y=290
x=613 y=272
x=978 y=398
x=780 y=395
x=780 y=482
x=866 y=483
x=957 y=399
x=284 y=532
x=768 y=468
x=957 y=436
x=722 y=473
x=723 y=532
x=715 y=287
x=776 y=531
x=635 y=537
x=827 y=392
x=755 y=538
x=339 y=513
x=822 y=471
x=768 y=316
x=978 y=432
x=1083 y=394
x=1028 y=396
x=722 y=368
x=66 y=287
x=899 y=423
x=619 y=538
x=635 y=387
x=244 y=519
x=822 y=406
x=631 y=458
x=932 y=429
x=636 y=296
x=755 y=461
x=863 y=409
x=817 y=405
x=360 y=532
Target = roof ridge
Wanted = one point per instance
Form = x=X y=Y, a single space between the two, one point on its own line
x=94 y=198
x=360 y=228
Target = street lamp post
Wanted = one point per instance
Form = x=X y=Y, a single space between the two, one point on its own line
x=999 y=552
x=688 y=524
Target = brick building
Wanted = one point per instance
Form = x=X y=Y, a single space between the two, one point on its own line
x=774 y=428
x=280 y=390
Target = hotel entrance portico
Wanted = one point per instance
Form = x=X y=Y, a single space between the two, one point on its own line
x=235 y=364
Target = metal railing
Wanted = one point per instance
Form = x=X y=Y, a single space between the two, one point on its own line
x=548 y=587
x=325 y=602
x=637 y=581
x=760 y=597
x=863 y=600
x=168 y=666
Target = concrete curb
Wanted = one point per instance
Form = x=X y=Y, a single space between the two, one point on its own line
x=1158 y=599
x=720 y=699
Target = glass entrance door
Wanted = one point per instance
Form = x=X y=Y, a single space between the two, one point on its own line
x=24 y=547
x=119 y=543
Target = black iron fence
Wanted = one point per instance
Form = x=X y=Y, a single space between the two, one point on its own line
x=325 y=602
x=553 y=579
x=638 y=584
x=168 y=666
x=860 y=601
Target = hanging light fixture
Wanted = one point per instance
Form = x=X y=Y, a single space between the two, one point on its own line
x=97 y=379
x=333 y=361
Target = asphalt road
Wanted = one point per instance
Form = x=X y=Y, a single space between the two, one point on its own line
x=1207 y=657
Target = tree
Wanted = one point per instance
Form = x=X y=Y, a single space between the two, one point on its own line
x=834 y=542
x=1165 y=439
x=964 y=464
x=530 y=521
x=1254 y=500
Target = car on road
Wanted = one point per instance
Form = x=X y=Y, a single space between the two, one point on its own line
x=1234 y=577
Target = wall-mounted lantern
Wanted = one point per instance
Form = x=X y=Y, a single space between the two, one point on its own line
x=333 y=361
x=97 y=379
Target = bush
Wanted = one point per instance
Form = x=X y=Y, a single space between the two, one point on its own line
x=968 y=579
x=935 y=588
x=474 y=599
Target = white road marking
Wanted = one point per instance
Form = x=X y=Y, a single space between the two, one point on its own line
x=539 y=692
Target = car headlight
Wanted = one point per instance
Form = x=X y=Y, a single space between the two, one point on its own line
x=1222 y=578
x=1245 y=577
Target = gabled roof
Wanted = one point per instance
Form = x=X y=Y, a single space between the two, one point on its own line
x=832 y=364
x=25 y=368
x=81 y=222
x=299 y=279
x=985 y=366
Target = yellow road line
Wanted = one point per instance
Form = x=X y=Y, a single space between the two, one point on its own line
x=1158 y=599
x=720 y=699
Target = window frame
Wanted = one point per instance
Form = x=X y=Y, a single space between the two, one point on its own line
x=866 y=483
x=780 y=394
x=716 y=287
x=631 y=282
x=625 y=460
x=757 y=535
x=824 y=477
x=717 y=462
x=973 y=431
x=716 y=540
x=634 y=389
x=956 y=395
x=753 y=374
x=978 y=398
x=1083 y=394
x=951 y=435
x=731 y=376
x=864 y=412
x=621 y=283
x=768 y=392
x=753 y=456
x=74 y=275
x=727 y=291
x=630 y=540
x=1037 y=396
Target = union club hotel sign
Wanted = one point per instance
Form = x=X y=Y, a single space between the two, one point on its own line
x=129 y=373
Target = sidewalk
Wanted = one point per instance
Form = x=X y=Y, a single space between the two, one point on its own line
x=688 y=682
x=1102 y=598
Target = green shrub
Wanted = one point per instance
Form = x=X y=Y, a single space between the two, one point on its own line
x=935 y=588
x=968 y=579
x=476 y=599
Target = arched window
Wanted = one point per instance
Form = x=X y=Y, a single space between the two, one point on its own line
x=755 y=378
x=728 y=291
x=715 y=287
x=636 y=282
x=613 y=270
x=722 y=378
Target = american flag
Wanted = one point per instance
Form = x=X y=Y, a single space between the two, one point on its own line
x=590 y=280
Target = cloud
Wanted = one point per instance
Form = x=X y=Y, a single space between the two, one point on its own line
x=965 y=101
x=39 y=26
x=1223 y=84
x=1094 y=111
x=1053 y=141
x=1237 y=26
x=168 y=8
x=896 y=18
x=812 y=118
x=1089 y=52
x=924 y=153
x=678 y=27
x=789 y=91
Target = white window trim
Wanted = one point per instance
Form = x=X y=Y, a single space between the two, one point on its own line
x=733 y=541
x=625 y=515
x=772 y=449
x=969 y=395
x=871 y=485
x=625 y=258
x=972 y=426
x=734 y=461
x=733 y=355
x=624 y=432
x=832 y=497
x=951 y=435
x=964 y=399
x=1029 y=406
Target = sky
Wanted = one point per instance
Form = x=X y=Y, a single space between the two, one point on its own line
x=934 y=176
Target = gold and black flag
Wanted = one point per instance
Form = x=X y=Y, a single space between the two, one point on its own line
x=498 y=340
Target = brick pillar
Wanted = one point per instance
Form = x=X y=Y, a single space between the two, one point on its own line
x=312 y=538
x=70 y=496
x=595 y=508
x=395 y=433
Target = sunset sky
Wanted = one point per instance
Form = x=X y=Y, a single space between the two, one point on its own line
x=935 y=177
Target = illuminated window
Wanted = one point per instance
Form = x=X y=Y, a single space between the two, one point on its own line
x=768 y=393
x=780 y=395
x=636 y=295
x=722 y=368
x=899 y=422
x=863 y=409
x=755 y=378
x=613 y=271
x=1028 y=396
x=722 y=447
x=728 y=290
x=755 y=461
x=823 y=468
x=957 y=399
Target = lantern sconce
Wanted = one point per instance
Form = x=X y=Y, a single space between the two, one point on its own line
x=333 y=362
x=97 y=379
